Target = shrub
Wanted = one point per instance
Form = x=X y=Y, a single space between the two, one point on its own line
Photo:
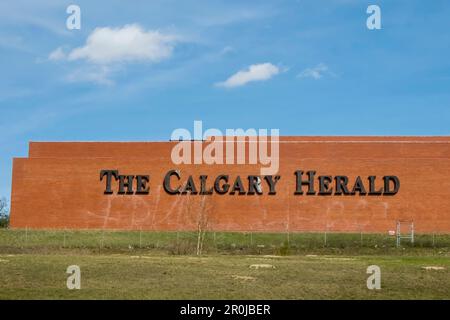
x=4 y=213
x=4 y=221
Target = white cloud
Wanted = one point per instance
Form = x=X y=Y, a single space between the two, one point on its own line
x=106 y=49
x=316 y=73
x=256 y=72
x=129 y=43
x=57 y=54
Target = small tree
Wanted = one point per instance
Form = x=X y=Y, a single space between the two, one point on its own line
x=198 y=213
x=4 y=213
x=203 y=220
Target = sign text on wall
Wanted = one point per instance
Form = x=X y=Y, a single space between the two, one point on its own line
x=306 y=183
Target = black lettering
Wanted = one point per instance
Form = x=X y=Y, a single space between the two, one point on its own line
x=203 y=185
x=224 y=189
x=167 y=186
x=372 y=190
x=109 y=174
x=189 y=187
x=253 y=182
x=324 y=185
x=359 y=186
x=309 y=182
x=141 y=184
x=237 y=185
x=128 y=184
x=272 y=183
x=341 y=185
x=387 y=190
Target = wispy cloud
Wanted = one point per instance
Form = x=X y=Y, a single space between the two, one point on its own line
x=40 y=15
x=57 y=54
x=227 y=50
x=316 y=72
x=255 y=72
x=99 y=74
x=220 y=16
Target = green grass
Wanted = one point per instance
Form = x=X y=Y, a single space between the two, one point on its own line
x=162 y=265
x=122 y=276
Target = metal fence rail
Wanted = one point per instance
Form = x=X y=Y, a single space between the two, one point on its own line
x=186 y=242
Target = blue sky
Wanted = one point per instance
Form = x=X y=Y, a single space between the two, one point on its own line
x=317 y=70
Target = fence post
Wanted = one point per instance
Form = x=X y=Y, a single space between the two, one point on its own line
x=288 y=239
x=325 y=238
x=140 y=238
x=361 y=238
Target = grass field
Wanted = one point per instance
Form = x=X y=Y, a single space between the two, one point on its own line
x=149 y=265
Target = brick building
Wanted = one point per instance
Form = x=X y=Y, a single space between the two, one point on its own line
x=59 y=186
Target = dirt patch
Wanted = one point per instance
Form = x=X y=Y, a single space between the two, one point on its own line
x=262 y=266
x=433 y=268
x=243 y=278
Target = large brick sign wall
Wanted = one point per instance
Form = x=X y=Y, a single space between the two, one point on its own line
x=59 y=186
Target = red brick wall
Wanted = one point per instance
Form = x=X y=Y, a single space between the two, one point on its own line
x=58 y=186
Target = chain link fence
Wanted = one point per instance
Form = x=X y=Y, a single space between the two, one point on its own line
x=186 y=242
